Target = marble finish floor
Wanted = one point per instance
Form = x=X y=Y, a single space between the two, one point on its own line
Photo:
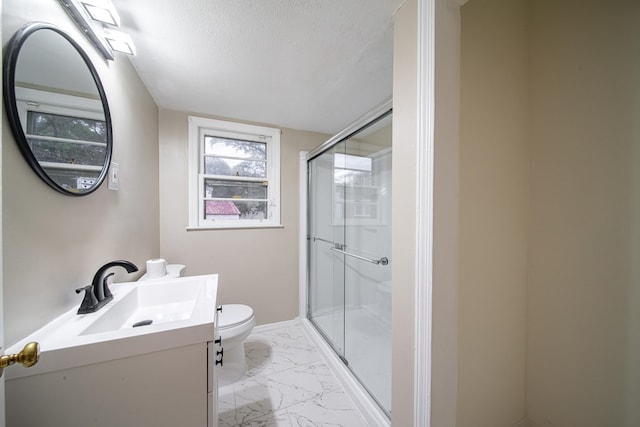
x=287 y=384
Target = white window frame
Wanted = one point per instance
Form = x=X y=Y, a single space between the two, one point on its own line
x=199 y=127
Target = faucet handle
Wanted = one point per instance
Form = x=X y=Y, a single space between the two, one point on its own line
x=107 y=291
x=89 y=300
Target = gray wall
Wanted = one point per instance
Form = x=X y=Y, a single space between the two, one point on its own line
x=258 y=267
x=549 y=213
x=493 y=213
x=55 y=243
x=583 y=299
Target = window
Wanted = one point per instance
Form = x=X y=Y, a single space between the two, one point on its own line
x=66 y=133
x=234 y=175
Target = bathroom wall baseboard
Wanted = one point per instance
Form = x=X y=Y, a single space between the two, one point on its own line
x=276 y=325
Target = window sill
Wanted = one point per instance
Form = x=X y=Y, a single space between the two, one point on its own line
x=233 y=227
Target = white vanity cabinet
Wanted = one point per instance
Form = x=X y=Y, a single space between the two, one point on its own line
x=167 y=388
x=95 y=370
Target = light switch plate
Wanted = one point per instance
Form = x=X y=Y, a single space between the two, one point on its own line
x=114 y=176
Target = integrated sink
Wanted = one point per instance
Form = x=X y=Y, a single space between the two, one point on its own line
x=166 y=314
x=160 y=303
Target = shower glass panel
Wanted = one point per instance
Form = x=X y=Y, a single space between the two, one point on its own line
x=349 y=264
x=326 y=301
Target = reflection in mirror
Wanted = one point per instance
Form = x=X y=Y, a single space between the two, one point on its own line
x=361 y=175
x=57 y=109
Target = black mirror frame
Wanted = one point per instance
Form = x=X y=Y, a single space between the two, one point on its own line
x=9 y=93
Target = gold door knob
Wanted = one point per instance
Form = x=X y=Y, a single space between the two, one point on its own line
x=28 y=357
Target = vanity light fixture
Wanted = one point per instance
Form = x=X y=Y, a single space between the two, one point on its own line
x=119 y=41
x=96 y=18
x=102 y=11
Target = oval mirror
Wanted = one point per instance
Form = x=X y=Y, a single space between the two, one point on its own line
x=57 y=109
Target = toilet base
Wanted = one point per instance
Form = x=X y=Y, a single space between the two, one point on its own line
x=234 y=365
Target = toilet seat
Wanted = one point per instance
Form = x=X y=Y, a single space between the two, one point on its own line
x=233 y=315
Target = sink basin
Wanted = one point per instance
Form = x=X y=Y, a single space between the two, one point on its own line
x=159 y=303
x=170 y=313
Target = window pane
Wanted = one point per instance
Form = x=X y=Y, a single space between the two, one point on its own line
x=234 y=210
x=78 y=128
x=68 y=152
x=350 y=177
x=218 y=188
x=226 y=147
x=90 y=134
x=72 y=180
x=233 y=167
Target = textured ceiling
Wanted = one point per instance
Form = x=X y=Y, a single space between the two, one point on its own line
x=305 y=64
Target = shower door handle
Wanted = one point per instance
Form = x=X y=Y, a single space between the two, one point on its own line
x=383 y=260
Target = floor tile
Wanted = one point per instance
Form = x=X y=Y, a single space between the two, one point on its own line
x=328 y=410
x=287 y=384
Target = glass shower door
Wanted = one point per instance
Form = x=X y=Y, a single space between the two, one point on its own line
x=325 y=268
x=366 y=184
x=349 y=254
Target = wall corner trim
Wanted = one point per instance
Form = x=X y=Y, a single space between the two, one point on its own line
x=424 y=220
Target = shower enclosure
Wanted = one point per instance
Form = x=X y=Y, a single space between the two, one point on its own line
x=349 y=249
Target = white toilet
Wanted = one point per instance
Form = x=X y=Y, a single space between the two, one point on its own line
x=235 y=323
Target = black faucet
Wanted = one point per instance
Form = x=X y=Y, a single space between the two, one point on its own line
x=97 y=294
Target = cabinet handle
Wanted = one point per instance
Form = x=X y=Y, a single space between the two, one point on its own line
x=221 y=354
x=219 y=308
x=218 y=341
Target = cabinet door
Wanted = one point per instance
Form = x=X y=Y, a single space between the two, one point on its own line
x=122 y=392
